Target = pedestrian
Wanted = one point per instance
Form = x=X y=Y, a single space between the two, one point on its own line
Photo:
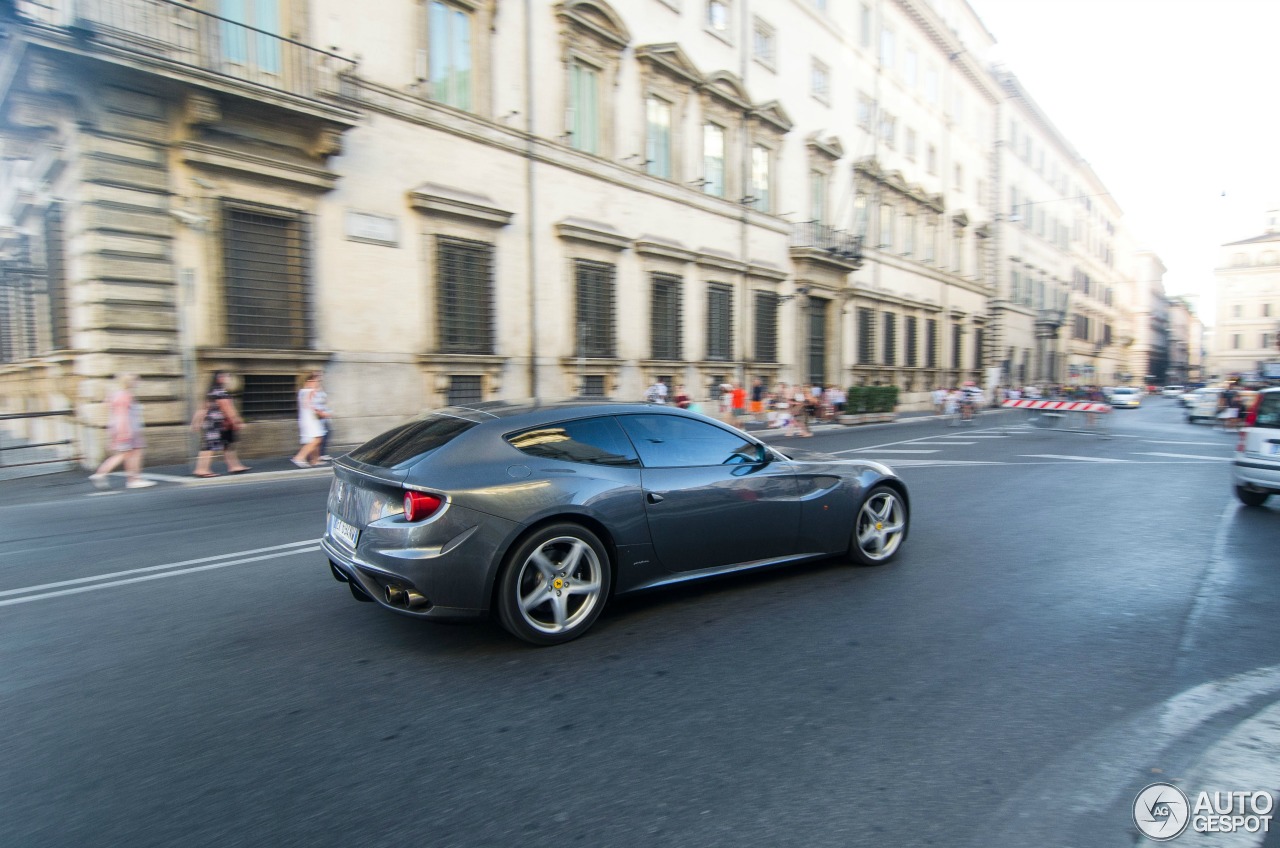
x=656 y=393
x=321 y=401
x=219 y=426
x=124 y=437
x=310 y=424
x=681 y=397
x=757 y=399
x=939 y=400
x=951 y=407
x=726 y=401
x=800 y=402
x=739 y=404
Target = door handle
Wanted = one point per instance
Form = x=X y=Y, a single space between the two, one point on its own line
x=655 y=498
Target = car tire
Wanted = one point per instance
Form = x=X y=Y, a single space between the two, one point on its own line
x=880 y=527
x=1248 y=497
x=553 y=584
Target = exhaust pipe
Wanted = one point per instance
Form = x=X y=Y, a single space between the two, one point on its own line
x=395 y=595
x=413 y=600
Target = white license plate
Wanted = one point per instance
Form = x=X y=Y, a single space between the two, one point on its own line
x=344 y=533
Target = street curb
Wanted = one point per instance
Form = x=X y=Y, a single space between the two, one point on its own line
x=233 y=479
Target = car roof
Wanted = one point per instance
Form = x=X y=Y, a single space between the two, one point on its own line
x=523 y=413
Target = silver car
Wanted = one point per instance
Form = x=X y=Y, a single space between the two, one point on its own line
x=539 y=513
x=1256 y=467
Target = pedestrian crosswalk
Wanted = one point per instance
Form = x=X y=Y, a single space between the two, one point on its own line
x=984 y=448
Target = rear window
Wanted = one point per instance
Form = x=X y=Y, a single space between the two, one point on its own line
x=1124 y=391
x=410 y=441
x=1268 y=410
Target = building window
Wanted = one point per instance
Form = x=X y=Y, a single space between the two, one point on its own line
x=912 y=354
x=890 y=351
x=449 y=47
x=866 y=336
x=250 y=31
x=888 y=130
x=464 y=295
x=465 y=389
x=820 y=81
x=957 y=344
x=1266 y=341
x=594 y=294
x=1237 y=310
x=713 y=159
x=658 y=137
x=1266 y=312
x=817 y=197
x=665 y=316
x=908 y=235
x=931 y=343
x=593 y=385
x=266 y=278
x=886 y=225
x=56 y=276
x=864 y=26
x=266 y=396
x=911 y=68
x=818 y=340
x=910 y=144
x=584 y=107
x=760 y=178
x=718 y=17
x=931 y=160
x=719 y=323
x=930 y=239
x=764 y=44
x=766 y=347
x=886 y=49
x=978 y=339
x=866 y=111
x=1235 y=341
x=959 y=177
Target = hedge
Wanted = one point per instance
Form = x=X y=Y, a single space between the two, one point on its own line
x=871 y=399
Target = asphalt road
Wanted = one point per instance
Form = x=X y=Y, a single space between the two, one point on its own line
x=1072 y=618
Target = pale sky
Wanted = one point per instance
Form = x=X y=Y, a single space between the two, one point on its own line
x=1172 y=102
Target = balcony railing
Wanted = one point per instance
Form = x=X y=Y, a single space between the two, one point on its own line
x=838 y=243
x=175 y=33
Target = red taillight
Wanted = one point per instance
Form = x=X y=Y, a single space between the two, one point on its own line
x=1240 y=442
x=1252 y=418
x=419 y=505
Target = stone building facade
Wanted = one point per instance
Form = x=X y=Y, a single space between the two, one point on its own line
x=1246 y=335
x=446 y=201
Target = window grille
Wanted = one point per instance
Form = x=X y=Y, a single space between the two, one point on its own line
x=930 y=343
x=464 y=295
x=766 y=348
x=818 y=341
x=465 y=389
x=866 y=336
x=912 y=359
x=665 y=316
x=595 y=283
x=719 y=322
x=269 y=396
x=890 y=338
x=593 y=385
x=266 y=278
x=979 y=339
x=957 y=342
x=56 y=276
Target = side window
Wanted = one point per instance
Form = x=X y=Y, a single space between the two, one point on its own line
x=1269 y=410
x=597 y=441
x=669 y=441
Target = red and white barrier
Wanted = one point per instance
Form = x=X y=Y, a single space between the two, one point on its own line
x=1058 y=405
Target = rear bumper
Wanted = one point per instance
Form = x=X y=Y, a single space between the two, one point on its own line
x=1256 y=473
x=373 y=582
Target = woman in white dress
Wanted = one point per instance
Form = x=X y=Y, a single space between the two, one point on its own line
x=310 y=427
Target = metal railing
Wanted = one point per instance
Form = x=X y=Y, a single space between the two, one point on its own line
x=29 y=440
x=816 y=236
x=176 y=33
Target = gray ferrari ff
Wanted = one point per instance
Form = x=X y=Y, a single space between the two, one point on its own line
x=541 y=512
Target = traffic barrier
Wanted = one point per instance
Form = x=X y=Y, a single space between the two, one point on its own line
x=1077 y=416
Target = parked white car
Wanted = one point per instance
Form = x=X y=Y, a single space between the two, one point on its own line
x=1256 y=469
x=1126 y=397
x=1172 y=391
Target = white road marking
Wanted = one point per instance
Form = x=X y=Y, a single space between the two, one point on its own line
x=1208 y=444
x=1071 y=458
x=941 y=441
x=1185 y=456
x=893 y=450
x=169 y=570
